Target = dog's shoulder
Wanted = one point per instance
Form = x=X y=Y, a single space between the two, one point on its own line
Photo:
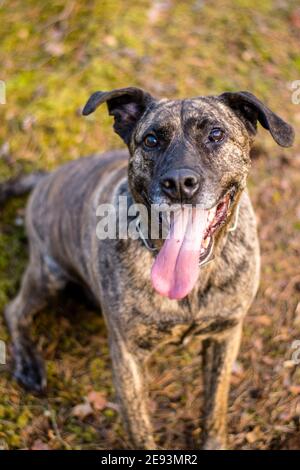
x=238 y=265
x=57 y=210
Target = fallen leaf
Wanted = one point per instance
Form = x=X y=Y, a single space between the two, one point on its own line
x=39 y=445
x=263 y=320
x=268 y=360
x=55 y=49
x=237 y=368
x=295 y=18
x=97 y=400
x=294 y=389
x=82 y=410
x=254 y=435
x=288 y=364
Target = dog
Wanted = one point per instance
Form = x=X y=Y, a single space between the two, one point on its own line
x=199 y=282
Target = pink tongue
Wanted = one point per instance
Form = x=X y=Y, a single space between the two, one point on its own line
x=175 y=270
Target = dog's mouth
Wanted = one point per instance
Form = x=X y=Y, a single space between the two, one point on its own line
x=217 y=217
x=189 y=243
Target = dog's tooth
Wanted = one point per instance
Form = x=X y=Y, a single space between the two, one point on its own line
x=212 y=213
x=206 y=242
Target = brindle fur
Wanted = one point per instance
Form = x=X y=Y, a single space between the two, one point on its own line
x=61 y=225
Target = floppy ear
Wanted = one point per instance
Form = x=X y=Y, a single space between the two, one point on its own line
x=250 y=110
x=127 y=105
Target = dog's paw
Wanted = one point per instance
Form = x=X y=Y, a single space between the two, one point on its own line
x=29 y=372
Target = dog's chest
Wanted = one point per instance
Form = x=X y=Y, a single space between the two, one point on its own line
x=147 y=336
x=152 y=320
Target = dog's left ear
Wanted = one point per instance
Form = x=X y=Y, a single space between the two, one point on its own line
x=250 y=110
x=127 y=105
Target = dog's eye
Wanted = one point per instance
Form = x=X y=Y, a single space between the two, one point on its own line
x=150 y=141
x=216 y=135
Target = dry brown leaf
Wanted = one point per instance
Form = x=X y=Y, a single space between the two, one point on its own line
x=294 y=389
x=82 y=410
x=254 y=435
x=263 y=320
x=97 y=400
x=40 y=445
x=55 y=49
x=295 y=18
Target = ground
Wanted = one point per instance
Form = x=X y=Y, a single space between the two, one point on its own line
x=53 y=55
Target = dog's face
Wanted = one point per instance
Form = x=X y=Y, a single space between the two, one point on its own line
x=189 y=152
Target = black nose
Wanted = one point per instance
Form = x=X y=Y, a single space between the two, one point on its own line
x=180 y=184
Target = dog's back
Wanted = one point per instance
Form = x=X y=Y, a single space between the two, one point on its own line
x=61 y=204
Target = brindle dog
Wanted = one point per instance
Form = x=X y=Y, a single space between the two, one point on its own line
x=194 y=151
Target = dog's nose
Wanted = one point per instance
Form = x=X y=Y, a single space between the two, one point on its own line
x=180 y=184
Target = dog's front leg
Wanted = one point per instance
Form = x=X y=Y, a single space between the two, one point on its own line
x=131 y=389
x=218 y=357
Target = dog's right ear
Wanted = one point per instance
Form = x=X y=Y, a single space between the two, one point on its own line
x=127 y=105
x=250 y=110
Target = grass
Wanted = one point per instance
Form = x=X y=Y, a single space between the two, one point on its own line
x=53 y=55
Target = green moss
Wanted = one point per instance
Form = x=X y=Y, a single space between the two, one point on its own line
x=24 y=418
x=109 y=413
x=296 y=225
x=53 y=55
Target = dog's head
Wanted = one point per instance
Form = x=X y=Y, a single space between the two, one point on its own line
x=192 y=152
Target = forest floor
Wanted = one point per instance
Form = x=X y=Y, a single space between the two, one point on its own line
x=53 y=55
